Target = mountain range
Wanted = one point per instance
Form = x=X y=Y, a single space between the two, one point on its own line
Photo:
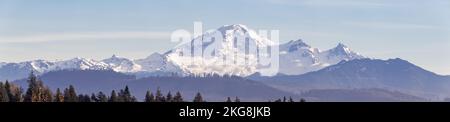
x=337 y=74
x=296 y=57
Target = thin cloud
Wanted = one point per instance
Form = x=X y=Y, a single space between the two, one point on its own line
x=389 y=25
x=85 y=36
x=331 y=3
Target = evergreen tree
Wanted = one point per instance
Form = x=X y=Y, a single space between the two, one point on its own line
x=36 y=91
x=149 y=97
x=14 y=92
x=94 y=98
x=87 y=98
x=81 y=98
x=19 y=97
x=33 y=84
x=229 y=99
x=178 y=97
x=278 y=100
x=9 y=92
x=84 y=98
x=47 y=95
x=198 y=98
x=159 y=96
x=302 y=100
x=237 y=99
x=113 y=97
x=124 y=95
x=290 y=99
x=3 y=93
x=70 y=94
x=59 y=97
x=120 y=96
x=169 y=97
x=101 y=97
x=133 y=99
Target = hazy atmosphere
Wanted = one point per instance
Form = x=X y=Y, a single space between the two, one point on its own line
x=414 y=30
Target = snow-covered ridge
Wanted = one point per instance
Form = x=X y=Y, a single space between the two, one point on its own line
x=121 y=64
x=296 y=57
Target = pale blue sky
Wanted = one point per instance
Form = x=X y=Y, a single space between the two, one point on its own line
x=415 y=30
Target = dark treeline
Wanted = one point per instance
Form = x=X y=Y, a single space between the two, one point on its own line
x=287 y=100
x=38 y=92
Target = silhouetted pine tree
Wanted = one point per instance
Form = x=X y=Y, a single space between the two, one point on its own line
x=18 y=97
x=70 y=94
x=84 y=98
x=149 y=97
x=125 y=95
x=94 y=98
x=101 y=97
x=87 y=98
x=47 y=95
x=278 y=100
x=237 y=99
x=3 y=93
x=36 y=91
x=198 y=98
x=14 y=92
x=178 y=97
x=169 y=97
x=81 y=98
x=113 y=97
x=9 y=92
x=59 y=97
x=290 y=99
x=159 y=96
x=228 y=99
x=302 y=100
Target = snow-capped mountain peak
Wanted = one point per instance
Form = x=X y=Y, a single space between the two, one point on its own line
x=342 y=52
x=13 y=71
x=234 y=27
x=231 y=32
x=39 y=65
x=297 y=57
x=121 y=64
x=80 y=63
x=296 y=45
x=154 y=61
x=114 y=59
x=155 y=56
x=194 y=57
x=114 y=56
x=341 y=49
x=157 y=62
x=299 y=43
